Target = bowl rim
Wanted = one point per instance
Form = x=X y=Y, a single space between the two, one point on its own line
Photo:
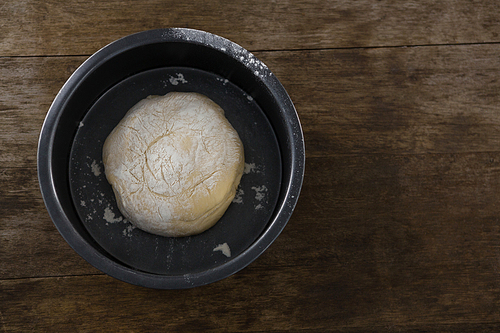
x=112 y=268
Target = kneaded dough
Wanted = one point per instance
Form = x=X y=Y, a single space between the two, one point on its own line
x=174 y=163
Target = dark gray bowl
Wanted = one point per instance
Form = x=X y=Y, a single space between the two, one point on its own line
x=94 y=99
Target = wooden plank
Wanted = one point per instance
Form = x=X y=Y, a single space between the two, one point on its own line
x=398 y=100
x=385 y=242
x=433 y=202
x=28 y=87
x=397 y=227
x=317 y=298
x=395 y=100
x=393 y=103
x=30 y=245
x=397 y=218
x=81 y=27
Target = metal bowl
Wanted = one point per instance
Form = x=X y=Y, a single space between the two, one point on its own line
x=95 y=98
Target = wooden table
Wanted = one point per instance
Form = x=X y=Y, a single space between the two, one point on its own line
x=398 y=225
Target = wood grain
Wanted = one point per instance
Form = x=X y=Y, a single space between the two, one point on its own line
x=28 y=86
x=438 y=99
x=31 y=27
x=397 y=226
x=382 y=107
x=279 y=300
x=347 y=201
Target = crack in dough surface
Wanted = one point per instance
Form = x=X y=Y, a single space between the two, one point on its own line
x=174 y=163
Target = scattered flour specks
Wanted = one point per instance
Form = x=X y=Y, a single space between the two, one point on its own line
x=80 y=125
x=250 y=98
x=224 y=81
x=187 y=278
x=250 y=167
x=176 y=80
x=128 y=230
x=82 y=203
x=259 y=192
x=238 y=198
x=96 y=169
x=109 y=216
x=258 y=67
x=224 y=248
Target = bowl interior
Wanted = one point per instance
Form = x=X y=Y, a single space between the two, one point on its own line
x=102 y=90
x=245 y=218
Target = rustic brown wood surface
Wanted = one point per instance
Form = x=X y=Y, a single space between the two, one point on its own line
x=398 y=225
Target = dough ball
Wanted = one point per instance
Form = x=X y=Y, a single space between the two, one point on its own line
x=174 y=163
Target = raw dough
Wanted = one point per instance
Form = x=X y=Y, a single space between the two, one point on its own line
x=174 y=163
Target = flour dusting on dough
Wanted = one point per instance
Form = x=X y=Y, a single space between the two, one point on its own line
x=171 y=159
x=224 y=248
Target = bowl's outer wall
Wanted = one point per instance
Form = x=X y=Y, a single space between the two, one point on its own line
x=140 y=52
